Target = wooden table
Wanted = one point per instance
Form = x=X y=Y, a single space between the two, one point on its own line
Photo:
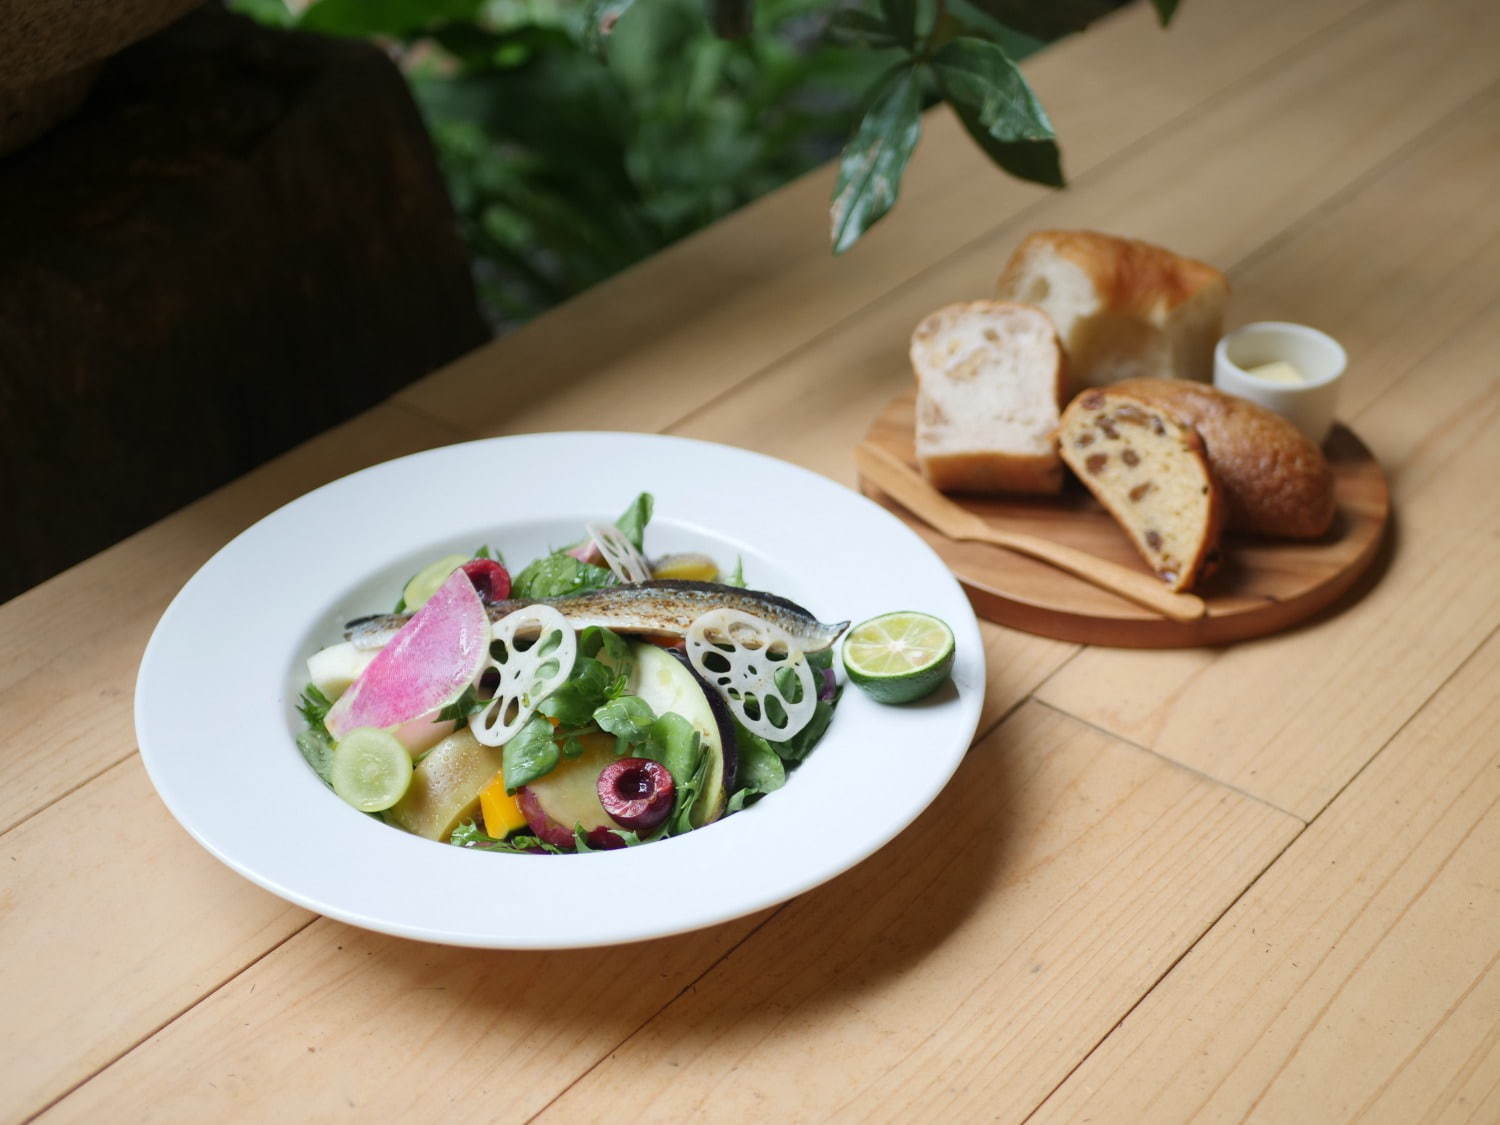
x=1251 y=882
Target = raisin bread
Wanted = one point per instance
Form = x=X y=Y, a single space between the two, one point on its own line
x=989 y=386
x=1275 y=481
x=1149 y=469
x=1122 y=308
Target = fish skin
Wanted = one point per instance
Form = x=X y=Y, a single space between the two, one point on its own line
x=661 y=607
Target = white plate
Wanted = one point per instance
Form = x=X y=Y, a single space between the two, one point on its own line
x=215 y=700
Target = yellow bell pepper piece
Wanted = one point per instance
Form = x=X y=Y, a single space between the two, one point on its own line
x=502 y=812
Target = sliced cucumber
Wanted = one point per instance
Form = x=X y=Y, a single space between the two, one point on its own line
x=426 y=581
x=371 y=770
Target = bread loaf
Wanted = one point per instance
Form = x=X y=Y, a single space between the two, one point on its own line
x=1276 y=482
x=1149 y=469
x=1122 y=308
x=989 y=385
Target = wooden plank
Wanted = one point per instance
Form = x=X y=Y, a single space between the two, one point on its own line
x=1374 y=86
x=69 y=648
x=1358 y=978
x=339 y=1022
x=1249 y=714
x=113 y=922
x=1074 y=869
x=967 y=968
x=698 y=318
x=97 y=872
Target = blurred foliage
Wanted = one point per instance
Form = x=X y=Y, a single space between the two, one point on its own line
x=579 y=136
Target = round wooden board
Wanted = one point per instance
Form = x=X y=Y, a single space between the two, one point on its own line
x=1264 y=585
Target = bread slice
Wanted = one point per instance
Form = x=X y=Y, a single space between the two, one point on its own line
x=1276 y=481
x=1149 y=469
x=1122 y=308
x=989 y=386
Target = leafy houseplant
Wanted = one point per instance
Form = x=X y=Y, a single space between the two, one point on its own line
x=578 y=136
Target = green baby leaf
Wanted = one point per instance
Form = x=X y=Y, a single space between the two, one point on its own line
x=586 y=689
x=627 y=717
x=316 y=745
x=632 y=522
x=461 y=708
x=998 y=108
x=676 y=744
x=530 y=754
x=558 y=575
x=873 y=161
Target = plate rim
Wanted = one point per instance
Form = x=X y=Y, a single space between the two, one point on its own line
x=969 y=704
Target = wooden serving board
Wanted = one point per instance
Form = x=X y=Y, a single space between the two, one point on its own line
x=1263 y=586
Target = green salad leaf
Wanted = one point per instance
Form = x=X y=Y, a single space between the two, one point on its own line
x=468 y=835
x=588 y=687
x=315 y=743
x=461 y=708
x=485 y=551
x=557 y=575
x=738 y=577
x=632 y=523
x=676 y=744
x=530 y=754
x=629 y=718
x=596 y=639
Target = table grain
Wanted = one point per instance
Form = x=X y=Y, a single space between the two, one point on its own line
x=1256 y=882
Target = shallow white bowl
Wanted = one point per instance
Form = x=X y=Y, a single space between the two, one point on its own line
x=216 y=695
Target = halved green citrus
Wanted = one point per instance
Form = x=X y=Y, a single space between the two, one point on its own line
x=371 y=770
x=899 y=657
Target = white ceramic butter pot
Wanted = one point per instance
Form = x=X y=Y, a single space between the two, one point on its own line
x=1318 y=358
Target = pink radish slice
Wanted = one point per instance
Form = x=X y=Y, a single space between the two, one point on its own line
x=587 y=552
x=423 y=668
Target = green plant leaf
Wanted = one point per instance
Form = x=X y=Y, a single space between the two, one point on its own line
x=900 y=18
x=632 y=522
x=852 y=27
x=731 y=19
x=873 y=161
x=1047 y=19
x=999 y=109
x=1165 y=10
x=529 y=754
x=396 y=18
x=599 y=19
x=272 y=13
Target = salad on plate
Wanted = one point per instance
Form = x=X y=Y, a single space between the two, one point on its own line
x=593 y=700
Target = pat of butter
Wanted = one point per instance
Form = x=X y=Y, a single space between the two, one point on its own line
x=1278 y=372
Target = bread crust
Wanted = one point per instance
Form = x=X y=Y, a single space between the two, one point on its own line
x=1276 y=482
x=990 y=471
x=1132 y=277
x=1207 y=558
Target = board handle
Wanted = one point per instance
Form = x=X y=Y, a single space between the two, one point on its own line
x=1143 y=589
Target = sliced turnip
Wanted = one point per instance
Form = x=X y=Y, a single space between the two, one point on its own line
x=334 y=668
x=526 y=676
x=742 y=656
x=426 y=666
x=627 y=563
x=568 y=798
